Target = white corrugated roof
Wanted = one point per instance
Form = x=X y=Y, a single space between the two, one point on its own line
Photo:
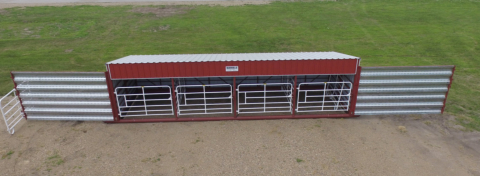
x=230 y=57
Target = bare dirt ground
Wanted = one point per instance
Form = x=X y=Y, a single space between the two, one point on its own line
x=368 y=145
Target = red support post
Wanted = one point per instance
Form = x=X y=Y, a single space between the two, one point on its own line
x=449 y=85
x=234 y=97
x=354 y=93
x=112 y=97
x=294 y=96
x=174 y=99
x=18 y=95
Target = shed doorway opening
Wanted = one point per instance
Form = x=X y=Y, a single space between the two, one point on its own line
x=204 y=96
x=324 y=93
x=144 y=98
x=265 y=94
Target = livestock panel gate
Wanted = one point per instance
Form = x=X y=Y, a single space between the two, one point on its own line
x=245 y=86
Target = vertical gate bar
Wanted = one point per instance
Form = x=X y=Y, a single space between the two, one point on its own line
x=174 y=99
x=349 y=88
x=306 y=94
x=339 y=96
x=204 y=99
x=112 y=97
x=238 y=97
x=354 y=91
x=18 y=95
x=171 y=99
x=144 y=101
x=294 y=95
x=324 y=92
x=298 y=97
x=264 y=97
x=449 y=85
x=245 y=94
x=231 y=99
x=16 y=101
x=116 y=118
x=234 y=109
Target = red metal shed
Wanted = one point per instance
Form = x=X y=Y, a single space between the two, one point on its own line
x=188 y=87
x=243 y=64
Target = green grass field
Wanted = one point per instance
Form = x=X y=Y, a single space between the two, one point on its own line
x=391 y=33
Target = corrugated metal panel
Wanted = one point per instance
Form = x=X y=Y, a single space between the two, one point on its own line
x=397 y=97
x=402 y=111
x=78 y=117
x=216 y=69
x=397 y=89
x=65 y=77
x=403 y=90
x=64 y=95
x=403 y=104
x=404 y=81
x=75 y=95
x=408 y=73
x=62 y=87
x=77 y=103
x=69 y=110
x=135 y=59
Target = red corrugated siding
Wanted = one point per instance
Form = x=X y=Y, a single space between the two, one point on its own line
x=246 y=68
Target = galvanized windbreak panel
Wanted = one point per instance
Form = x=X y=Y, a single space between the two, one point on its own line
x=404 y=81
x=60 y=103
x=398 y=111
x=400 y=89
x=403 y=90
x=407 y=73
x=399 y=97
x=76 y=118
x=64 y=77
x=62 y=87
x=380 y=104
x=68 y=110
x=64 y=95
